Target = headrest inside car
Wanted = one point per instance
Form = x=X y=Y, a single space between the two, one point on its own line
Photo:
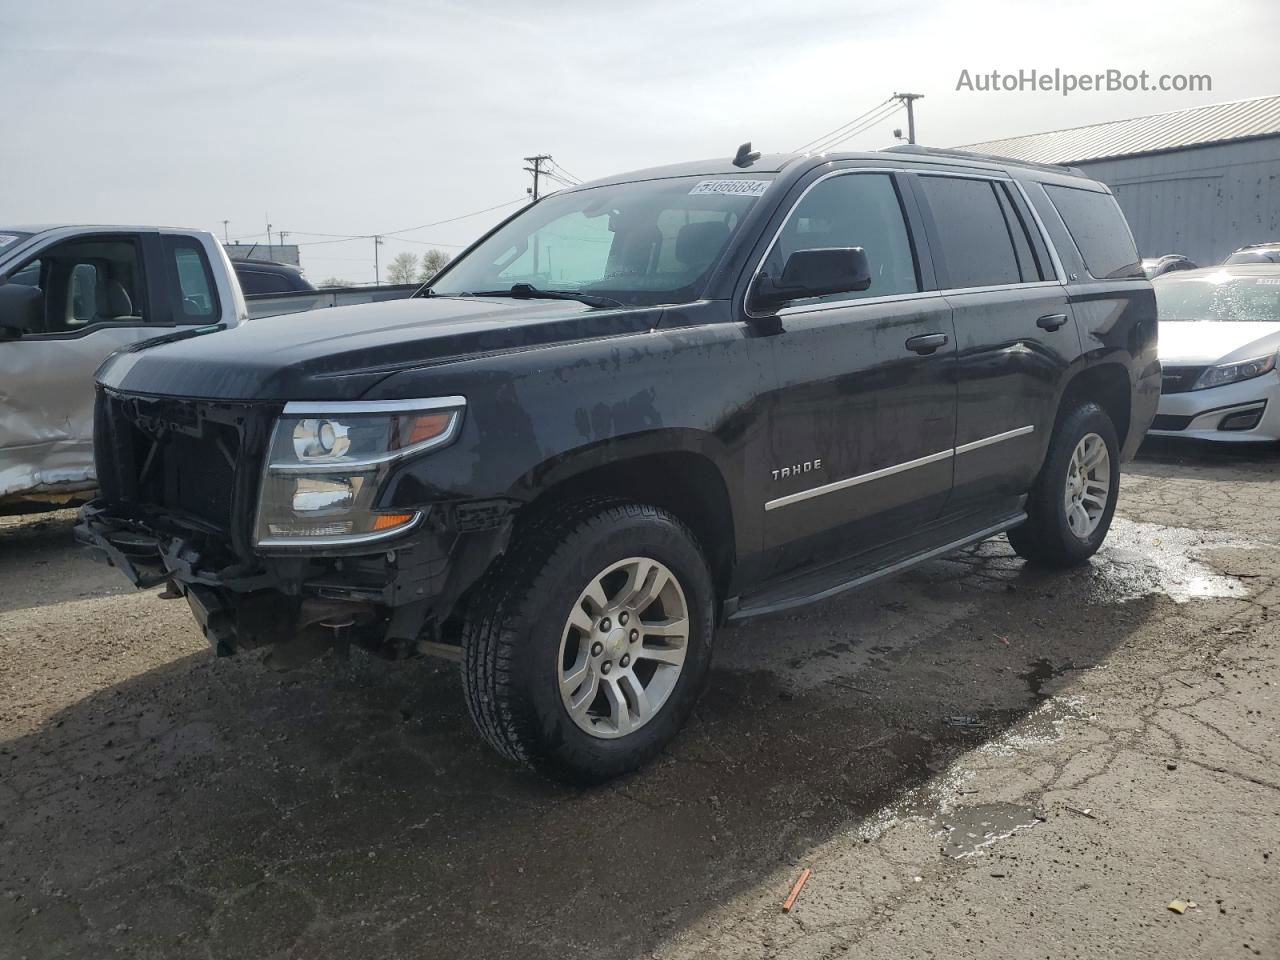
x=697 y=244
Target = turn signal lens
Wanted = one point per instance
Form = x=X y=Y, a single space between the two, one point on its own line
x=389 y=521
x=412 y=430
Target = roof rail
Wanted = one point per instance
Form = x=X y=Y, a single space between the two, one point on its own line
x=968 y=155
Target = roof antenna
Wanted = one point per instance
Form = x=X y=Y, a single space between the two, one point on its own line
x=745 y=157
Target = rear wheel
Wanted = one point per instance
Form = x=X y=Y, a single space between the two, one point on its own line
x=587 y=646
x=1070 y=507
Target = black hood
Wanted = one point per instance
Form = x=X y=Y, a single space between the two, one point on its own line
x=340 y=352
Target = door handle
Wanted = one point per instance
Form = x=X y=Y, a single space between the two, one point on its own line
x=927 y=343
x=1051 y=321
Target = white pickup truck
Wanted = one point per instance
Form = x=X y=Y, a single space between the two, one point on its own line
x=71 y=295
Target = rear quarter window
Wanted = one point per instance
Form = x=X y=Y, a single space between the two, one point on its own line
x=1099 y=231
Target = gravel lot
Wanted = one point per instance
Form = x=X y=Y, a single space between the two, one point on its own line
x=975 y=759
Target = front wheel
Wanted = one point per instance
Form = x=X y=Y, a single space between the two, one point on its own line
x=586 y=647
x=1070 y=507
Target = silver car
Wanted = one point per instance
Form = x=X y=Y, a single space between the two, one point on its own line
x=69 y=297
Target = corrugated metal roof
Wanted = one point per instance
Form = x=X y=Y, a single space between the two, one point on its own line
x=1193 y=127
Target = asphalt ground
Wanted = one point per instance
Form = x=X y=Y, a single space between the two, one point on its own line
x=975 y=759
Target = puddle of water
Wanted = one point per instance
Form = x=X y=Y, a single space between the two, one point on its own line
x=969 y=830
x=1140 y=559
x=940 y=801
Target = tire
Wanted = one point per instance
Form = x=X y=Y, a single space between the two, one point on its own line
x=1052 y=536
x=519 y=647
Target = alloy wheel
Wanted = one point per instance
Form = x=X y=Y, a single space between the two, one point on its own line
x=1088 y=485
x=623 y=647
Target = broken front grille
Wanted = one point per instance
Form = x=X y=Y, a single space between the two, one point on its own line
x=196 y=462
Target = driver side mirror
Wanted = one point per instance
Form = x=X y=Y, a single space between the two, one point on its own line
x=20 y=310
x=816 y=273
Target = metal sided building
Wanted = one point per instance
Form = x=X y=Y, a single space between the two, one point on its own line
x=1201 y=182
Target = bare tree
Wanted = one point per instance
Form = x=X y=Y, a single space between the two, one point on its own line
x=402 y=268
x=328 y=282
x=433 y=261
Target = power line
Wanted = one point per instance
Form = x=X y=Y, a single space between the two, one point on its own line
x=575 y=180
x=805 y=147
x=850 y=130
x=861 y=128
x=430 y=243
x=344 y=238
x=556 y=178
x=437 y=223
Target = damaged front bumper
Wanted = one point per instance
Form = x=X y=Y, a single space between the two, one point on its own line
x=393 y=602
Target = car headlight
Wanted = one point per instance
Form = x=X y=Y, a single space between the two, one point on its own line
x=327 y=461
x=1225 y=373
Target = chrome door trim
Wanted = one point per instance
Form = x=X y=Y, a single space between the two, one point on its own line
x=896 y=468
x=854 y=481
x=987 y=441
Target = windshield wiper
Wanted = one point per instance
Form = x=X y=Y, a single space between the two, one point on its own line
x=527 y=291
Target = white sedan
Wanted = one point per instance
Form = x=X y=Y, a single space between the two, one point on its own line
x=1219 y=340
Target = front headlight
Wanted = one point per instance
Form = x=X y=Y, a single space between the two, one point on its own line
x=1232 y=372
x=327 y=461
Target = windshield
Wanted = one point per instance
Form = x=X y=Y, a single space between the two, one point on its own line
x=638 y=243
x=1269 y=255
x=1220 y=297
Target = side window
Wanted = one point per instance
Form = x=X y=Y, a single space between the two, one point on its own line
x=252 y=283
x=853 y=210
x=977 y=248
x=28 y=276
x=197 y=300
x=85 y=282
x=1029 y=266
x=1099 y=230
x=84 y=294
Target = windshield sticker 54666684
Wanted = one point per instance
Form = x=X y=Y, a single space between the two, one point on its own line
x=732 y=188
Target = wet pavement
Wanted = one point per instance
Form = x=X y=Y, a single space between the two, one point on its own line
x=975 y=758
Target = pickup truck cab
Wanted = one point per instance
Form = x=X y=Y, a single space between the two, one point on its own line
x=70 y=296
x=637 y=410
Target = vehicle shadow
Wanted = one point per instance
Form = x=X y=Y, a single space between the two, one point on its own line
x=212 y=807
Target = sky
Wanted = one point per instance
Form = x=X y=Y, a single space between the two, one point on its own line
x=354 y=117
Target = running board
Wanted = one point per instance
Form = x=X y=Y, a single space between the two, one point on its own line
x=854 y=573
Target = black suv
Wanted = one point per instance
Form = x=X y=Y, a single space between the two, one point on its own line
x=266 y=276
x=636 y=410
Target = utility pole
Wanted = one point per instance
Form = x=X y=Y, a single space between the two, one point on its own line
x=226 y=237
x=270 y=254
x=280 y=235
x=536 y=170
x=377 y=272
x=908 y=99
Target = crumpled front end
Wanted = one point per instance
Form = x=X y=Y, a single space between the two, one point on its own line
x=179 y=482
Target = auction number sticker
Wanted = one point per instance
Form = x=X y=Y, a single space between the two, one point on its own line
x=1264 y=281
x=730 y=188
